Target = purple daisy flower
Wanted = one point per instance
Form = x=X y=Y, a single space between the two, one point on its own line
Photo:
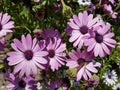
x=100 y=42
x=17 y=83
x=2 y=44
x=5 y=24
x=50 y=33
x=56 y=55
x=27 y=56
x=82 y=61
x=81 y=26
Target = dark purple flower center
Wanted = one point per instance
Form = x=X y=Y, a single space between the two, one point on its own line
x=80 y=60
x=56 y=89
x=83 y=1
x=28 y=54
x=109 y=76
x=22 y=84
x=84 y=29
x=99 y=38
x=118 y=88
x=0 y=27
x=51 y=53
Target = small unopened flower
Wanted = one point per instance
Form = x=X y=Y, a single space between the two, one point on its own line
x=92 y=82
x=37 y=33
x=110 y=11
x=17 y=83
x=110 y=77
x=5 y=25
x=27 y=56
x=116 y=87
x=56 y=7
x=84 y=64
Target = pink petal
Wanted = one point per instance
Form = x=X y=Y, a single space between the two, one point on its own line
x=24 y=42
x=110 y=40
x=77 y=41
x=109 y=35
x=105 y=48
x=73 y=25
x=97 y=49
x=101 y=53
x=36 y=48
x=18 y=67
x=76 y=20
x=33 y=67
x=88 y=73
x=54 y=64
x=80 y=16
x=110 y=45
x=61 y=48
x=93 y=22
x=91 y=68
x=75 y=35
x=15 y=61
x=40 y=53
x=80 y=44
x=29 y=41
x=72 y=64
x=40 y=60
x=39 y=65
x=85 y=16
x=14 y=47
x=85 y=76
x=59 y=60
x=72 y=55
x=19 y=45
x=8 y=25
x=28 y=68
x=5 y=19
x=80 y=73
x=96 y=64
x=90 y=17
x=34 y=43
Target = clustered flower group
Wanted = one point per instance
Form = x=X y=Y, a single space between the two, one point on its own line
x=90 y=37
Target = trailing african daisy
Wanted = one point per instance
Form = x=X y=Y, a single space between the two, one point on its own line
x=79 y=28
x=5 y=25
x=17 y=83
x=83 y=62
x=27 y=56
x=101 y=41
x=56 y=55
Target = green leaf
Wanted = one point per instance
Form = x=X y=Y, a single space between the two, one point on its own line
x=72 y=72
x=2 y=66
